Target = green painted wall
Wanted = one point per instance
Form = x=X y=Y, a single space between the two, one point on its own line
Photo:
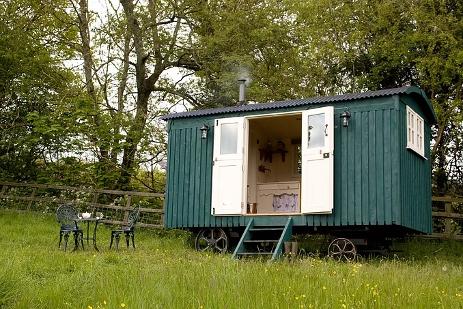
x=373 y=172
x=415 y=175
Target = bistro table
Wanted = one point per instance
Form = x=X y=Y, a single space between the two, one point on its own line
x=96 y=220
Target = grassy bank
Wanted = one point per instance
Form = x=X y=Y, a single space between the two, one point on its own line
x=165 y=272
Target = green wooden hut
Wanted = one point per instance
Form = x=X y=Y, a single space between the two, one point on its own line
x=355 y=166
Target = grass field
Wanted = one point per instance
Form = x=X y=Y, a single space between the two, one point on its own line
x=165 y=272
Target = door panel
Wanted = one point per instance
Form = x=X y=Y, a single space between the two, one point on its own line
x=227 y=172
x=317 y=148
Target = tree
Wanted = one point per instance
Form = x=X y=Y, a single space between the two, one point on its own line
x=32 y=83
x=368 y=45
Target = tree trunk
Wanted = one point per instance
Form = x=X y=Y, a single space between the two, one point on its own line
x=133 y=139
x=84 y=31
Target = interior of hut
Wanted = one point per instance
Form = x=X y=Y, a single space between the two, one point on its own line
x=274 y=164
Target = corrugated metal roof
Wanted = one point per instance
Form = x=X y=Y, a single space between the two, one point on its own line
x=301 y=102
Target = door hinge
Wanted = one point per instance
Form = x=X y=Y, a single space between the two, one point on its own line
x=213 y=210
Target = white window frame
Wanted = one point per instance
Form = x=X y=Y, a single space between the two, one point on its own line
x=415 y=132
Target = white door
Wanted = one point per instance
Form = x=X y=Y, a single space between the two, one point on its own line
x=228 y=171
x=317 y=149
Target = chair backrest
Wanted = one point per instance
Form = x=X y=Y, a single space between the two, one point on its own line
x=134 y=215
x=66 y=214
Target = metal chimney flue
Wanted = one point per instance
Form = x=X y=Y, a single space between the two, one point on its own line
x=242 y=97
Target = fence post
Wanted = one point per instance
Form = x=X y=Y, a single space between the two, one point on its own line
x=127 y=208
x=448 y=227
x=32 y=199
x=4 y=187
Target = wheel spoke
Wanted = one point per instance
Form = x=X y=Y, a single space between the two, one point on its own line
x=212 y=234
x=345 y=244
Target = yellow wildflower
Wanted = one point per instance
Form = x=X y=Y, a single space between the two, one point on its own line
x=122 y=305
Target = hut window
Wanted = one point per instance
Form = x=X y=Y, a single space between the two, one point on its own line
x=415 y=132
x=317 y=131
x=229 y=138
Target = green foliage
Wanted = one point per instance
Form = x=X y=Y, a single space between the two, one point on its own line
x=294 y=49
x=32 y=83
x=285 y=49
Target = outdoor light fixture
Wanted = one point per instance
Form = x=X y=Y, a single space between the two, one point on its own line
x=204 y=130
x=345 y=118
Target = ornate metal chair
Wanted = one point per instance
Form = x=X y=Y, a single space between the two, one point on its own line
x=128 y=229
x=67 y=217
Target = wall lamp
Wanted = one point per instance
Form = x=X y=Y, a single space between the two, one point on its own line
x=204 y=130
x=345 y=118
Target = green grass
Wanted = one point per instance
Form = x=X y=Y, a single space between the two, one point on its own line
x=165 y=272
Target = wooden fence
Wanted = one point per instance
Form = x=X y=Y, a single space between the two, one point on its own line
x=114 y=204
x=447 y=217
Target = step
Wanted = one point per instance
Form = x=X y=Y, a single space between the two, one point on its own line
x=261 y=240
x=263 y=229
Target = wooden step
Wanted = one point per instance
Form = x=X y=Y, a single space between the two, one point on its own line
x=265 y=229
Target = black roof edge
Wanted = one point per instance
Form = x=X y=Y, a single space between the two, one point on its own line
x=408 y=90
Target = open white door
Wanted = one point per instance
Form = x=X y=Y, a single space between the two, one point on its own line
x=317 y=148
x=228 y=196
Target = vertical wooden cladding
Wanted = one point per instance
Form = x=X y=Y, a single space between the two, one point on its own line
x=415 y=176
x=188 y=202
x=187 y=177
x=366 y=168
x=377 y=181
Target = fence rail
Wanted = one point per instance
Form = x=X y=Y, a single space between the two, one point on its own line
x=114 y=204
x=447 y=217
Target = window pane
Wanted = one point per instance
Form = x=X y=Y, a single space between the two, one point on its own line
x=228 y=138
x=316 y=131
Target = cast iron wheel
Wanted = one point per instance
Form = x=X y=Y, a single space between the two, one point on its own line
x=342 y=249
x=212 y=239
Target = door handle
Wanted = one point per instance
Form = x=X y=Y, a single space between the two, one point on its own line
x=326 y=128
